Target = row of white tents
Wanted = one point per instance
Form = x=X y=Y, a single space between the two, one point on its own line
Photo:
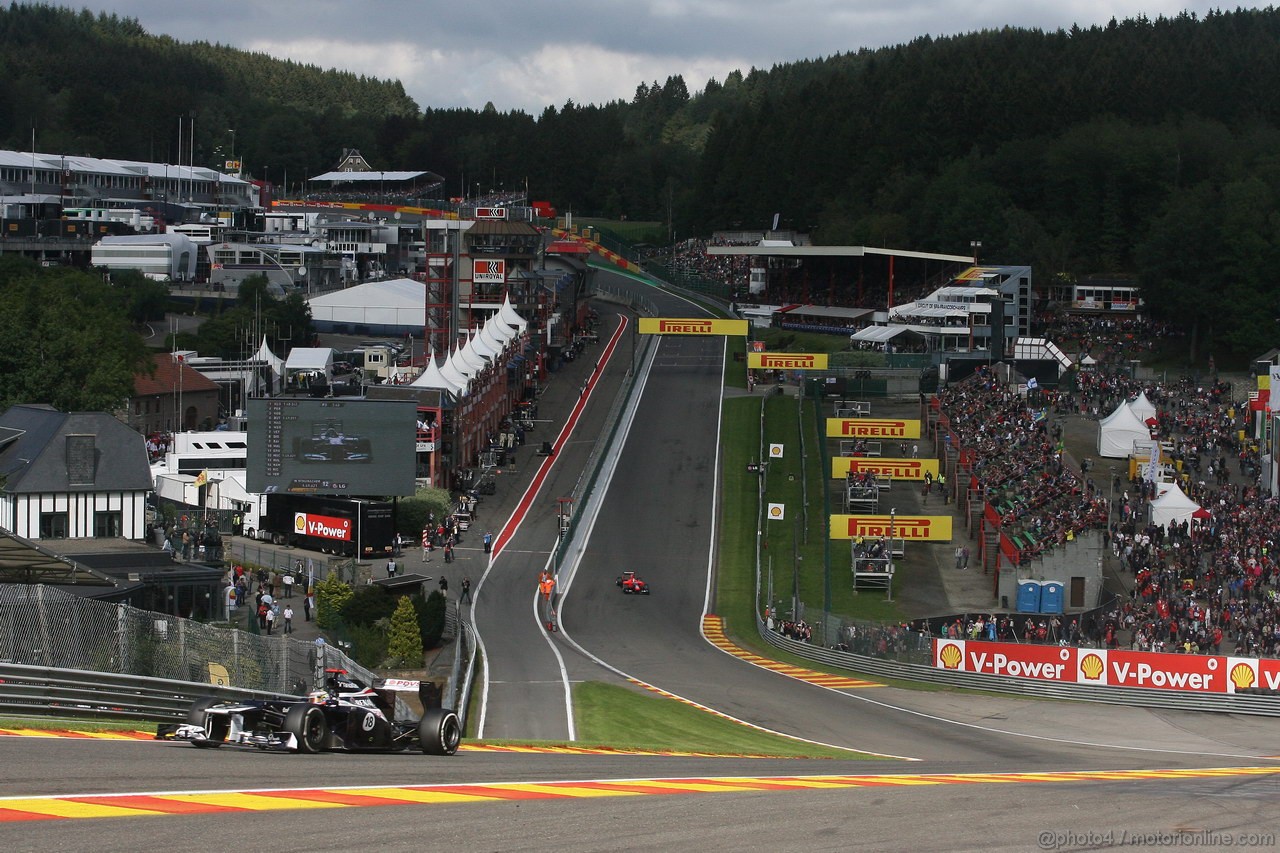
x=496 y=342
x=1128 y=427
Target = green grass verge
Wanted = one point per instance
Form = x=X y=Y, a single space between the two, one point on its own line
x=623 y=718
x=797 y=550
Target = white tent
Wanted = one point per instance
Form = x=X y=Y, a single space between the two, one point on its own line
x=1118 y=431
x=1172 y=506
x=383 y=307
x=265 y=355
x=431 y=377
x=1142 y=407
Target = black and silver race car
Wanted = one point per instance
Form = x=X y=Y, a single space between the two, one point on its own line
x=347 y=716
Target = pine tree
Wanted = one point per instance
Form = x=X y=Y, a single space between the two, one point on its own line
x=331 y=595
x=404 y=640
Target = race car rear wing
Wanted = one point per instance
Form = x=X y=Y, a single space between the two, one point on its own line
x=428 y=691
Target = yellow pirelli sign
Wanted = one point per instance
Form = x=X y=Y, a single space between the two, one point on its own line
x=897 y=469
x=872 y=428
x=673 y=326
x=918 y=528
x=787 y=360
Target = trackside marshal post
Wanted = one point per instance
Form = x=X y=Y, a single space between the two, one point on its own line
x=911 y=528
x=897 y=469
x=872 y=428
x=675 y=326
x=787 y=360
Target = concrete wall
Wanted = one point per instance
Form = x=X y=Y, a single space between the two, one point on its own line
x=1079 y=558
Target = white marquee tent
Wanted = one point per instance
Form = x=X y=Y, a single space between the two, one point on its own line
x=1118 y=431
x=1172 y=506
x=1142 y=407
x=393 y=307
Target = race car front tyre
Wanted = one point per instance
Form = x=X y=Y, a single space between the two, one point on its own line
x=308 y=726
x=215 y=726
x=439 y=732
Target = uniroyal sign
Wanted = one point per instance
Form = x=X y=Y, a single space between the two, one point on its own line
x=674 y=326
x=1108 y=667
x=917 y=528
x=324 y=526
x=787 y=361
x=871 y=428
x=897 y=469
x=489 y=271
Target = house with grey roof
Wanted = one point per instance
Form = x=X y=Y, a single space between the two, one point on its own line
x=71 y=475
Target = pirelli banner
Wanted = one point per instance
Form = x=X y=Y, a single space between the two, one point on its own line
x=872 y=428
x=787 y=361
x=912 y=528
x=895 y=469
x=670 y=326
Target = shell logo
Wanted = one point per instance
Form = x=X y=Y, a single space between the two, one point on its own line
x=300 y=522
x=1242 y=676
x=950 y=656
x=775 y=511
x=1091 y=666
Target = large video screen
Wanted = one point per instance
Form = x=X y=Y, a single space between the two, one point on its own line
x=339 y=447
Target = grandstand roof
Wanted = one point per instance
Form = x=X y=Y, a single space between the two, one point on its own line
x=376 y=177
x=826 y=311
x=831 y=251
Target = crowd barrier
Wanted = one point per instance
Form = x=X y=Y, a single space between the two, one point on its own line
x=1263 y=702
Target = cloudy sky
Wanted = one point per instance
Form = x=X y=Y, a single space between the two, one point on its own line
x=521 y=54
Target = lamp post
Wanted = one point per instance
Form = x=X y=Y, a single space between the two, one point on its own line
x=893 y=519
x=975 y=245
x=232 y=131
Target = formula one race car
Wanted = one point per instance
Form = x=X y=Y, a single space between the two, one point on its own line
x=632 y=585
x=346 y=716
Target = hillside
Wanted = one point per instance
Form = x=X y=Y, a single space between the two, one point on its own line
x=100 y=85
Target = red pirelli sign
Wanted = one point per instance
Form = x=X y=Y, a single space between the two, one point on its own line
x=872 y=428
x=896 y=469
x=916 y=528
x=691 y=326
x=787 y=361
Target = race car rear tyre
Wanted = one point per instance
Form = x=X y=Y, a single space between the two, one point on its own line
x=309 y=727
x=439 y=732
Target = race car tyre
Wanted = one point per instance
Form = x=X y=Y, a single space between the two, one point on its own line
x=195 y=714
x=439 y=732
x=308 y=726
x=215 y=726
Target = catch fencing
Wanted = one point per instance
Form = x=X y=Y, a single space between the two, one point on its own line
x=42 y=626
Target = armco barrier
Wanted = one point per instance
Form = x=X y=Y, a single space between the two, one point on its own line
x=43 y=690
x=1264 y=705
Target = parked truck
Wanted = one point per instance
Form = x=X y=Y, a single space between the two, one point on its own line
x=331 y=525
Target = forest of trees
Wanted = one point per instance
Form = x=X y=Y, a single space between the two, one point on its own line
x=1144 y=147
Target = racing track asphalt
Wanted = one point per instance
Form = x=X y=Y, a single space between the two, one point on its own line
x=522 y=689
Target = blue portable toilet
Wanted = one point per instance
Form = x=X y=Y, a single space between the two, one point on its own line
x=1051 y=593
x=1028 y=596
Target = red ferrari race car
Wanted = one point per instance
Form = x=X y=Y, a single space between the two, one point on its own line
x=632 y=585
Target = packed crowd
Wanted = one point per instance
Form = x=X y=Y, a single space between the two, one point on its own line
x=691 y=258
x=1019 y=465
x=1106 y=340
